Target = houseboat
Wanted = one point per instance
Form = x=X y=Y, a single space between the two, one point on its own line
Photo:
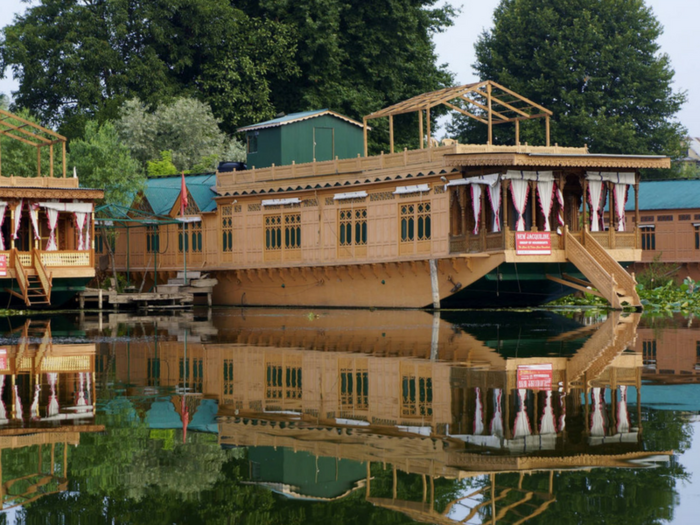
x=445 y=226
x=46 y=225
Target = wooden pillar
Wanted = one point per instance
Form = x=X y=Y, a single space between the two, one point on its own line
x=533 y=204
x=391 y=133
x=364 y=134
x=585 y=203
x=395 y=483
x=369 y=479
x=546 y=124
x=427 y=126
x=611 y=216
x=517 y=133
x=483 y=230
x=504 y=204
x=636 y=211
x=12 y=227
x=420 y=128
x=51 y=159
x=64 y=158
x=462 y=198
x=488 y=97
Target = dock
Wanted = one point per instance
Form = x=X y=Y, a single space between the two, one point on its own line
x=177 y=293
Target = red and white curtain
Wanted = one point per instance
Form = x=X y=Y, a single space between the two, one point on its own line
x=621 y=182
x=522 y=421
x=18 y=220
x=34 y=217
x=545 y=191
x=492 y=184
x=3 y=209
x=496 y=427
x=548 y=423
x=520 y=187
x=479 y=414
x=476 y=206
x=82 y=212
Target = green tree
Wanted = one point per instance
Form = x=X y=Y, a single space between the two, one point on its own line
x=596 y=65
x=163 y=167
x=19 y=158
x=357 y=57
x=103 y=161
x=77 y=60
x=185 y=127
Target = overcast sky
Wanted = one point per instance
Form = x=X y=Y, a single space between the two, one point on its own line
x=456 y=46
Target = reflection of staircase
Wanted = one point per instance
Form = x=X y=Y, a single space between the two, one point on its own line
x=604 y=273
x=612 y=337
x=36 y=288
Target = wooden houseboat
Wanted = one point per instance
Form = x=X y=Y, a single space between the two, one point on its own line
x=46 y=225
x=446 y=225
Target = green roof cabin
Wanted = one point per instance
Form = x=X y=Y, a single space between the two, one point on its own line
x=318 y=135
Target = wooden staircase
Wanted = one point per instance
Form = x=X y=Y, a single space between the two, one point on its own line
x=606 y=278
x=35 y=288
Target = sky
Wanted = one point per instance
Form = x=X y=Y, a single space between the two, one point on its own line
x=456 y=45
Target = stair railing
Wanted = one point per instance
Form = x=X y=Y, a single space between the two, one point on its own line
x=20 y=275
x=44 y=277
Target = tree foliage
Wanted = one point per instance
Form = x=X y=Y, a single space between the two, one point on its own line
x=19 y=159
x=80 y=59
x=596 y=65
x=185 y=127
x=103 y=161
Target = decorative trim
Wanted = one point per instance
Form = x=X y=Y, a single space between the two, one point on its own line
x=577 y=161
x=309 y=203
x=254 y=207
x=329 y=201
x=381 y=196
x=237 y=208
x=50 y=193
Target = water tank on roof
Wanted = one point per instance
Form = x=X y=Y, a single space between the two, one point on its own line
x=231 y=166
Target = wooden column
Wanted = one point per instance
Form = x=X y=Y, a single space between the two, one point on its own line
x=585 y=203
x=461 y=201
x=611 y=216
x=517 y=133
x=504 y=204
x=483 y=230
x=420 y=128
x=636 y=211
x=488 y=97
x=533 y=204
x=427 y=125
x=546 y=124
x=64 y=158
x=391 y=133
x=364 y=134
x=51 y=159
x=12 y=227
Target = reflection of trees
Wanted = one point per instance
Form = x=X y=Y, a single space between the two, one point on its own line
x=666 y=430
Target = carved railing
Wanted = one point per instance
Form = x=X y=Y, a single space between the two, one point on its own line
x=45 y=278
x=66 y=258
x=621 y=276
x=589 y=266
x=20 y=274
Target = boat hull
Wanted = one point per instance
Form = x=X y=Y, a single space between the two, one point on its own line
x=62 y=291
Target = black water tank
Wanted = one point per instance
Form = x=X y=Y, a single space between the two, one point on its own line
x=231 y=166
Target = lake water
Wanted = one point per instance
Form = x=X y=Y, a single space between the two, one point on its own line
x=256 y=416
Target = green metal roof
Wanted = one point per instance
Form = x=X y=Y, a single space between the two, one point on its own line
x=296 y=117
x=666 y=195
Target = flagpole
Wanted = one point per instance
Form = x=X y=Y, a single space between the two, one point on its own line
x=183 y=204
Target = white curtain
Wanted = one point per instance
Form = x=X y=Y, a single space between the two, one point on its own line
x=34 y=216
x=34 y=409
x=494 y=194
x=562 y=408
x=597 y=417
x=3 y=208
x=545 y=189
x=479 y=415
x=88 y=227
x=497 y=419
x=3 y=412
x=18 y=220
x=19 y=411
x=53 y=220
x=620 y=201
x=476 y=206
x=623 y=417
x=522 y=422
x=53 y=399
x=80 y=224
x=519 y=189
x=560 y=199
x=81 y=402
x=548 y=424
x=595 y=191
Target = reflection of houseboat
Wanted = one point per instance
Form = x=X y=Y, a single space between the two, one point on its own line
x=455 y=225
x=46 y=225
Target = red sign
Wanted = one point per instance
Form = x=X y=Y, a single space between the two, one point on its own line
x=3 y=264
x=3 y=358
x=533 y=243
x=535 y=377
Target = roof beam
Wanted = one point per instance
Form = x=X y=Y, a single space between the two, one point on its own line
x=541 y=108
x=499 y=115
x=465 y=112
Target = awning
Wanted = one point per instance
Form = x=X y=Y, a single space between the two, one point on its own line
x=187 y=219
x=611 y=176
x=350 y=195
x=281 y=202
x=73 y=207
x=419 y=188
x=490 y=180
x=540 y=176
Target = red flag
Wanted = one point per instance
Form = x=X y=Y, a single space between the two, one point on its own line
x=183 y=196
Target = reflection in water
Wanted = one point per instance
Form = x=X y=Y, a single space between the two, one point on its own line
x=266 y=416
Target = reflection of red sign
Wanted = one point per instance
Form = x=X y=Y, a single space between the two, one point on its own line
x=3 y=264
x=533 y=243
x=3 y=358
x=535 y=377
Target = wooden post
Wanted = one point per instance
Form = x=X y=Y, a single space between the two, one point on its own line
x=611 y=216
x=369 y=478
x=585 y=202
x=364 y=133
x=533 y=203
x=420 y=128
x=517 y=133
x=64 y=158
x=395 y=483
x=546 y=124
x=636 y=210
x=484 y=227
x=391 y=133
x=51 y=159
x=427 y=125
x=434 y=284
x=504 y=204
x=488 y=97
x=12 y=227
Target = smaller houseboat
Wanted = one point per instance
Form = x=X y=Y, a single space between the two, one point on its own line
x=46 y=225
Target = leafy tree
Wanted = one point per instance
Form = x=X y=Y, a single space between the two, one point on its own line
x=185 y=128
x=357 y=57
x=595 y=64
x=104 y=161
x=77 y=59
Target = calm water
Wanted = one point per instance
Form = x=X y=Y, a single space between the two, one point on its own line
x=350 y=417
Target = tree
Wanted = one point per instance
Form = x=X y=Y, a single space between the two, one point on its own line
x=19 y=159
x=357 y=57
x=77 y=60
x=185 y=127
x=103 y=161
x=595 y=64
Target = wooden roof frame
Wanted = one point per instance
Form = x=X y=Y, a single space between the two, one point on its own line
x=34 y=135
x=497 y=109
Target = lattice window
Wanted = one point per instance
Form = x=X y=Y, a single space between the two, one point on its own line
x=196 y=236
x=293 y=388
x=152 y=239
x=228 y=377
x=184 y=370
x=99 y=242
x=648 y=238
x=354 y=387
x=227 y=228
x=197 y=374
x=183 y=242
x=416 y=395
x=352 y=226
x=649 y=352
x=274 y=388
x=292 y=230
x=153 y=371
x=283 y=381
x=273 y=232
x=415 y=221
